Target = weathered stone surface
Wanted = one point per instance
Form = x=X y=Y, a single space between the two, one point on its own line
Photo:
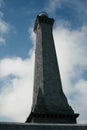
x=26 y=126
x=50 y=104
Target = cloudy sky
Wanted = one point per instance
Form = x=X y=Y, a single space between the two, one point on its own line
x=17 y=45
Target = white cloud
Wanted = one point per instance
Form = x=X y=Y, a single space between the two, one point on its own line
x=4 y=28
x=71 y=46
x=2 y=40
x=71 y=49
x=15 y=101
x=16 y=95
x=78 y=6
x=79 y=103
x=32 y=35
x=52 y=5
x=16 y=75
x=33 y=40
x=14 y=66
x=1 y=2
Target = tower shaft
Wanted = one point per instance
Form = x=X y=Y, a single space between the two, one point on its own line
x=50 y=105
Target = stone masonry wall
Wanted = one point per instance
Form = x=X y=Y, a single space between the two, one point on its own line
x=24 y=126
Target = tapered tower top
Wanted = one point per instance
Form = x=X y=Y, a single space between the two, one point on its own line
x=43 y=18
x=43 y=14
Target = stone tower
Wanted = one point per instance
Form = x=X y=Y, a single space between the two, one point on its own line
x=50 y=105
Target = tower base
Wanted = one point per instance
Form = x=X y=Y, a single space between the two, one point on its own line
x=52 y=118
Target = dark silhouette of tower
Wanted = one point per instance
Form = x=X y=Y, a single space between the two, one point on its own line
x=50 y=105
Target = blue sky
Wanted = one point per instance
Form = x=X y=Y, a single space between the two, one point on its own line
x=17 y=46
